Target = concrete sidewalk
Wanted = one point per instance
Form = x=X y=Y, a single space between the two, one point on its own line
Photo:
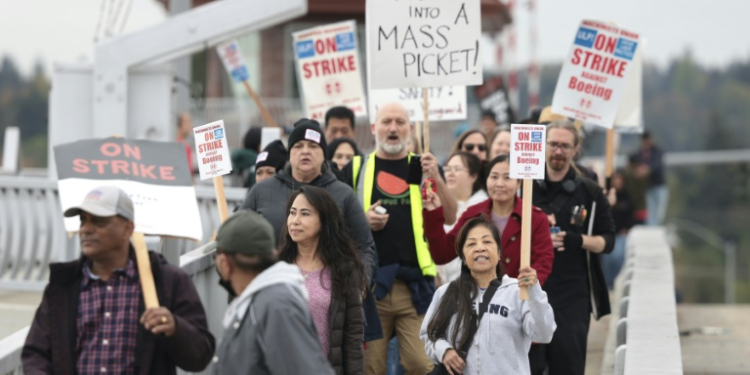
x=715 y=339
x=17 y=310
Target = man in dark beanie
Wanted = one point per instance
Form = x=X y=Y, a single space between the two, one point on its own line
x=307 y=165
x=270 y=160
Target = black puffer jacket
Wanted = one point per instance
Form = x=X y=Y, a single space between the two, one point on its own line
x=346 y=334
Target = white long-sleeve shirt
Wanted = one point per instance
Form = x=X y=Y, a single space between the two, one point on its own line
x=506 y=331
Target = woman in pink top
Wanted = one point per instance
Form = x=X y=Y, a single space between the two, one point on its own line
x=316 y=239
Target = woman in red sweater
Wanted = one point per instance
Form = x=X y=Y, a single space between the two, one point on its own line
x=504 y=209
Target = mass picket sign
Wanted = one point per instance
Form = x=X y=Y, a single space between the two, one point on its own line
x=527 y=162
x=155 y=176
x=446 y=103
x=594 y=76
x=231 y=57
x=423 y=43
x=329 y=70
x=212 y=150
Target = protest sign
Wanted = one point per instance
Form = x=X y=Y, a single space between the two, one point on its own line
x=594 y=76
x=329 y=69
x=446 y=103
x=527 y=162
x=427 y=43
x=527 y=147
x=155 y=176
x=493 y=96
x=231 y=57
x=212 y=150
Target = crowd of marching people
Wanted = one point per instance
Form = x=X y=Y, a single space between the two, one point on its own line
x=343 y=262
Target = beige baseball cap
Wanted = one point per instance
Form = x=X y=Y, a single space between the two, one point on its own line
x=105 y=201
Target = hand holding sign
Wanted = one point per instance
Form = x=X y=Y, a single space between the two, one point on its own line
x=527 y=162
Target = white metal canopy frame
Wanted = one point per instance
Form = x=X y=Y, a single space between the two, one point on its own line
x=178 y=36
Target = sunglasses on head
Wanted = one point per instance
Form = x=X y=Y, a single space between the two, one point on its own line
x=470 y=146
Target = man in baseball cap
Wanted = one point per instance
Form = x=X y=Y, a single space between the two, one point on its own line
x=95 y=303
x=270 y=317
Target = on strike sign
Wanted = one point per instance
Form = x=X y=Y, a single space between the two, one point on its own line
x=155 y=176
x=213 y=150
x=329 y=70
x=594 y=75
x=527 y=147
x=231 y=57
x=425 y=43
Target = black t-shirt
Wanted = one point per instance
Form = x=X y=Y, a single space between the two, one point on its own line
x=395 y=242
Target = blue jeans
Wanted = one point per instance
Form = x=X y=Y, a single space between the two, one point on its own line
x=394 y=367
x=612 y=262
x=657 y=198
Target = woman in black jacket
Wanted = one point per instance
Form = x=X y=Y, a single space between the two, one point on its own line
x=317 y=240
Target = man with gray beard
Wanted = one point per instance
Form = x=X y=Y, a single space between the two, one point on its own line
x=390 y=193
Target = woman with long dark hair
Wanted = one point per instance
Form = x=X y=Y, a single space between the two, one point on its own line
x=317 y=240
x=505 y=210
x=505 y=330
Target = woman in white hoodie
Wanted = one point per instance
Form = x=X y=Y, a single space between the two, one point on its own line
x=509 y=325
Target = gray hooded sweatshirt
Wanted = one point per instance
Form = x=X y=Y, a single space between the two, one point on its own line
x=269 y=198
x=268 y=328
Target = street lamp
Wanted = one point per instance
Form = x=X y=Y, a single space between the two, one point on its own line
x=713 y=239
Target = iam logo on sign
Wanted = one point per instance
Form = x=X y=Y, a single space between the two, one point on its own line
x=213 y=166
x=527 y=168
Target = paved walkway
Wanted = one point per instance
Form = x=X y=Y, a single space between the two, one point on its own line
x=17 y=310
x=718 y=341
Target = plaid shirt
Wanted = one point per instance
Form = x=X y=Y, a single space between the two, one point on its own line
x=107 y=322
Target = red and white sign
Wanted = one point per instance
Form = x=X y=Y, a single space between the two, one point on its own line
x=446 y=103
x=594 y=76
x=527 y=151
x=212 y=150
x=329 y=69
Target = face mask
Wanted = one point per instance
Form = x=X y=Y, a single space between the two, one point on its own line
x=226 y=285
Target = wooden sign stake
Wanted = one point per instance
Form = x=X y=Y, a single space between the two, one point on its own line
x=610 y=158
x=263 y=111
x=426 y=124
x=221 y=199
x=144 y=271
x=528 y=192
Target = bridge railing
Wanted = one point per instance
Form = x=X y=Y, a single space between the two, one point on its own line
x=199 y=264
x=32 y=233
x=644 y=334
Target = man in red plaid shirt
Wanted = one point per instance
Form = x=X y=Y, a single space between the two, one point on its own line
x=92 y=318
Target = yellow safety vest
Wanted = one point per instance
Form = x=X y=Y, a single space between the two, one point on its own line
x=363 y=184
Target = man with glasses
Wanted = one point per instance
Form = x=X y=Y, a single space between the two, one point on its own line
x=576 y=286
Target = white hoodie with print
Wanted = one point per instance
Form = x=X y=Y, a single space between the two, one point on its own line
x=506 y=331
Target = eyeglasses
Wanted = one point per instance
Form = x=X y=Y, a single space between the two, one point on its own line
x=470 y=147
x=561 y=146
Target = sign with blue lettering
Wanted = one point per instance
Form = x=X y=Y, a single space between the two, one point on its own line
x=231 y=57
x=585 y=37
x=305 y=49
x=345 y=42
x=328 y=69
x=596 y=74
x=625 y=48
